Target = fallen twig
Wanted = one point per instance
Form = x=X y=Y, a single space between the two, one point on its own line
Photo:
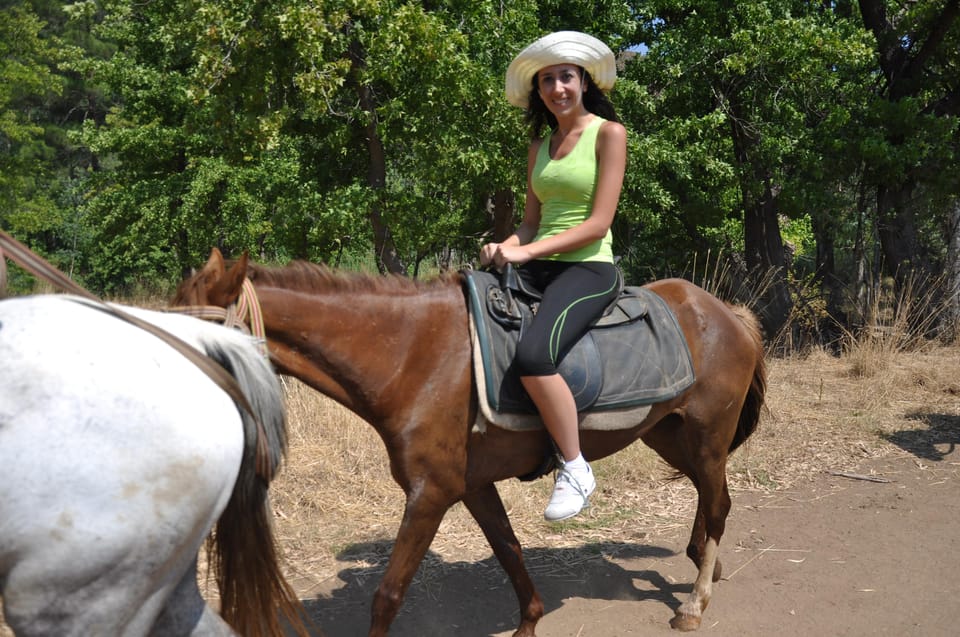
x=761 y=552
x=859 y=476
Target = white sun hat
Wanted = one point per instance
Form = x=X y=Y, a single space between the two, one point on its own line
x=561 y=47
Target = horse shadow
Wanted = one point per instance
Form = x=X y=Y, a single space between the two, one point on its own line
x=476 y=599
x=926 y=442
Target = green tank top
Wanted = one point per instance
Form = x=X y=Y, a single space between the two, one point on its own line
x=566 y=189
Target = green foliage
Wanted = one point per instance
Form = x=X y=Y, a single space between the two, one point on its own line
x=433 y=119
x=27 y=81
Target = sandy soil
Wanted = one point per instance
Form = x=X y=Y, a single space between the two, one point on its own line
x=838 y=555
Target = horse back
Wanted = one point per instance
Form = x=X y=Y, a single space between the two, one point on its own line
x=705 y=317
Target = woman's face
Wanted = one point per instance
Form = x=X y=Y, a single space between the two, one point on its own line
x=561 y=88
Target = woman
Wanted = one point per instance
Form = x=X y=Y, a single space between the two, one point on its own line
x=564 y=245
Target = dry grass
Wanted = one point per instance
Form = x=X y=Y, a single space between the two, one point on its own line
x=338 y=508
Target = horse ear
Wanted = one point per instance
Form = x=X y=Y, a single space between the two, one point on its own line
x=231 y=281
x=238 y=271
x=215 y=262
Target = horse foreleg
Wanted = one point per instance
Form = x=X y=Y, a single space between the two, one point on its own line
x=712 y=509
x=417 y=530
x=486 y=507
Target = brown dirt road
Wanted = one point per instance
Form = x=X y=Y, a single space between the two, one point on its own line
x=834 y=556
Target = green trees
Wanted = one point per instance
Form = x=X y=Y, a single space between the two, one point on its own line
x=748 y=99
x=910 y=153
x=298 y=130
x=29 y=84
x=772 y=110
x=814 y=143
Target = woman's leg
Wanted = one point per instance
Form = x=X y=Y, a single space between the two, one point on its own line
x=554 y=401
x=558 y=410
x=576 y=295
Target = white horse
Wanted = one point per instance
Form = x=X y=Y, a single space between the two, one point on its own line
x=117 y=456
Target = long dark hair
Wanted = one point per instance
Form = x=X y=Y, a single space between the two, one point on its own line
x=595 y=101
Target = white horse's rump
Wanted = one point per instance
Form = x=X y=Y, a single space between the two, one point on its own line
x=117 y=456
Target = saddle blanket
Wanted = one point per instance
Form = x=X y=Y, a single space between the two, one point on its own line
x=634 y=357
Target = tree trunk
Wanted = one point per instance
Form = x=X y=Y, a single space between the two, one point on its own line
x=824 y=231
x=864 y=276
x=388 y=260
x=765 y=257
x=953 y=268
x=898 y=233
x=763 y=245
x=503 y=207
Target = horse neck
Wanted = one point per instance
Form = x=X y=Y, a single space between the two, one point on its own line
x=367 y=348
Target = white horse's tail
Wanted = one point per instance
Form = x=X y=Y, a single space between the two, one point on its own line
x=259 y=383
x=242 y=551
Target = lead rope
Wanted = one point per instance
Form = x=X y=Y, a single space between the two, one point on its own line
x=34 y=264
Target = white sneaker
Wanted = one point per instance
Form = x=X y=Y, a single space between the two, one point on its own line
x=570 y=493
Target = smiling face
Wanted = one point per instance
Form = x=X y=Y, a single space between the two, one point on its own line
x=561 y=88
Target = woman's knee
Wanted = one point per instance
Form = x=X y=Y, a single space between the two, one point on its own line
x=532 y=359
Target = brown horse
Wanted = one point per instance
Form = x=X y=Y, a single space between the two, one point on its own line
x=397 y=352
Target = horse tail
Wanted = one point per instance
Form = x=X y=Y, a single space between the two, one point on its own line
x=754 y=401
x=255 y=595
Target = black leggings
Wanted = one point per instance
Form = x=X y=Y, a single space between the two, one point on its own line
x=575 y=295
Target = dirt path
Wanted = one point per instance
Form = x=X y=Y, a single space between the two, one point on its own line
x=835 y=556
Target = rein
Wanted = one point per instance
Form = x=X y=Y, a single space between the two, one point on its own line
x=35 y=265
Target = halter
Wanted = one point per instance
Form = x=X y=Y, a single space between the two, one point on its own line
x=244 y=314
x=34 y=264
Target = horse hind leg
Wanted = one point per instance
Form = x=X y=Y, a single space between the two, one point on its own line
x=187 y=613
x=697 y=544
x=692 y=456
x=712 y=508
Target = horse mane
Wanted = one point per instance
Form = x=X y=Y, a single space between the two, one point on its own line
x=305 y=276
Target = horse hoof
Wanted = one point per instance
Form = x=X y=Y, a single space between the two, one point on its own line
x=685 y=623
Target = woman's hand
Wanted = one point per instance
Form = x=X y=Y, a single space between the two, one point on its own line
x=487 y=253
x=500 y=254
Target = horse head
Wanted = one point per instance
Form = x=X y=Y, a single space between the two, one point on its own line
x=217 y=283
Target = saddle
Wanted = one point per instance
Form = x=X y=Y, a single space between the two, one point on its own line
x=634 y=355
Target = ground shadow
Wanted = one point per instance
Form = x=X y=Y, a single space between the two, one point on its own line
x=475 y=599
x=937 y=439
